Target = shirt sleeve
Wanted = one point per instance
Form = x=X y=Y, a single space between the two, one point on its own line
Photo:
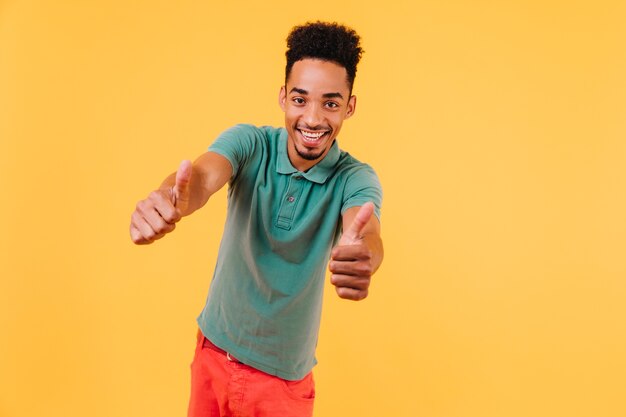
x=363 y=186
x=236 y=144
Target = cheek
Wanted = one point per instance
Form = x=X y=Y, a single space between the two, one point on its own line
x=336 y=122
x=292 y=115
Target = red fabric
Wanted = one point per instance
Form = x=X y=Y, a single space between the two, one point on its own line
x=223 y=387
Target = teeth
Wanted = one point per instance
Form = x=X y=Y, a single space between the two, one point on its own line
x=311 y=135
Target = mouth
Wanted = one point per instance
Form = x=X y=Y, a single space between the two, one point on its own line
x=313 y=138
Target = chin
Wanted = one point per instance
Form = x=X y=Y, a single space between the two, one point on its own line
x=310 y=155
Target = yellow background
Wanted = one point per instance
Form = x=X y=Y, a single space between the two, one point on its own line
x=498 y=130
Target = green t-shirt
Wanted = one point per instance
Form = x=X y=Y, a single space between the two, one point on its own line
x=265 y=300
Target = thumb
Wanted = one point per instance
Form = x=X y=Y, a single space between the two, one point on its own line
x=181 y=187
x=363 y=216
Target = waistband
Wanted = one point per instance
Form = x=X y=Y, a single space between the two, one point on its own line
x=208 y=344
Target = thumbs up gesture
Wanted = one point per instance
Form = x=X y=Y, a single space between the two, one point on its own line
x=180 y=192
x=358 y=254
x=157 y=215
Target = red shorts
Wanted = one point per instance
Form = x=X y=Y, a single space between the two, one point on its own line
x=222 y=386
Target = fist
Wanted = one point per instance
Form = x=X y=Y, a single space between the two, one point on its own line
x=352 y=270
x=351 y=262
x=156 y=216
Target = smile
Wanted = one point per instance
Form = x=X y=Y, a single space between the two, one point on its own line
x=312 y=138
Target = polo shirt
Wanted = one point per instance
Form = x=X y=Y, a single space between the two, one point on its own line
x=265 y=298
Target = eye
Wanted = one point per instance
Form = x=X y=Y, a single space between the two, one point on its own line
x=298 y=100
x=332 y=105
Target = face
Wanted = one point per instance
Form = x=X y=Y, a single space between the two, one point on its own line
x=316 y=101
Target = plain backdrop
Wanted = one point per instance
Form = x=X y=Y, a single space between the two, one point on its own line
x=498 y=130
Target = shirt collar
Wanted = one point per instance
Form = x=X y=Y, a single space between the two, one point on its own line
x=318 y=173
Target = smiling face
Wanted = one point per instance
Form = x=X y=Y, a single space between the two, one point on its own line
x=316 y=100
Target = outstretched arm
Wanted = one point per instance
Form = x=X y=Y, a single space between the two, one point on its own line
x=180 y=194
x=358 y=254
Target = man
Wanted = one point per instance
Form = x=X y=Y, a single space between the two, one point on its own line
x=293 y=195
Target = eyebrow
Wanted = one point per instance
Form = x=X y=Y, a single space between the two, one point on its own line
x=326 y=95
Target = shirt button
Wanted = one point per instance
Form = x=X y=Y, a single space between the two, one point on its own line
x=291 y=199
x=298 y=177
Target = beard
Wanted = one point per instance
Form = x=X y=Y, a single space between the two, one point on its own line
x=309 y=156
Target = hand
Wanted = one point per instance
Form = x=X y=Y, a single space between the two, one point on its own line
x=351 y=260
x=157 y=215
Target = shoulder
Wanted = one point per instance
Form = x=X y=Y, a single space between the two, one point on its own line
x=360 y=183
x=244 y=139
x=244 y=143
x=353 y=170
x=251 y=132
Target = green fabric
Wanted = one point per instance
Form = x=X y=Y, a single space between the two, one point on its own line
x=265 y=300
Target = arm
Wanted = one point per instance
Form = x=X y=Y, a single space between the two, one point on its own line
x=358 y=254
x=180 y=194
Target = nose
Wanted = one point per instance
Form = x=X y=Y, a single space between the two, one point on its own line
x=312 y=117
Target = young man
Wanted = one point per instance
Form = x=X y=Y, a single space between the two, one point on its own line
x=296 y=203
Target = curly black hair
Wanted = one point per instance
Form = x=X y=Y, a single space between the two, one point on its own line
x=326 y=41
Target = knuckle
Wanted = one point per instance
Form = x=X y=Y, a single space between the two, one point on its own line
x=172 y=216
x=364 y=269
x=351 y=293
x=149 y=234
x=164 y=229
x=159 y=225
x=143 y=206
x=340 y=281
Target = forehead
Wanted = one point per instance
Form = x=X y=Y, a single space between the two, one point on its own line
x=318 y=77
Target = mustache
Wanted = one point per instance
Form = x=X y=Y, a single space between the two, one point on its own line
x=314 y=128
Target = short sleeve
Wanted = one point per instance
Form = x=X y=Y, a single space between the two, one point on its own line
x=362 y=185
x=236 y=144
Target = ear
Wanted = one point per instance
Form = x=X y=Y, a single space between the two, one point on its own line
x=282 y=97
x=351 y=107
